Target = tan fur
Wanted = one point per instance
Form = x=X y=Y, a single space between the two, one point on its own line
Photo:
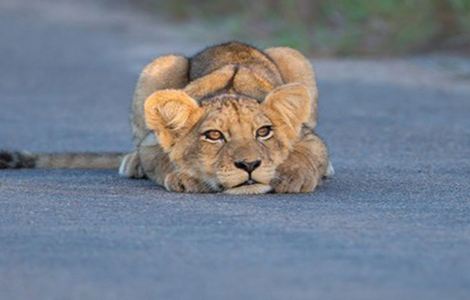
x=211 y=83
x=235 y=89
x=250 y=189
x=78 y=160
x=17 y=160
x=166 y=72
x=170 y=113
x=295 y=67
x=291 y=104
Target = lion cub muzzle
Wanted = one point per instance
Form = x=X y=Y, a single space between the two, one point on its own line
x=249 y=167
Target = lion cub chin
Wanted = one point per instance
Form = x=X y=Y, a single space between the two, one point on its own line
x=256 y=188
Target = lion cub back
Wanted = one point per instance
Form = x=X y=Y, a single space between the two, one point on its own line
x=234 y=68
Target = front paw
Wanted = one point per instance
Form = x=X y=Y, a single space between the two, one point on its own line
x=184 y=183
x=294 y=179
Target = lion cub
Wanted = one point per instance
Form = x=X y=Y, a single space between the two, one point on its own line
x=231 y=118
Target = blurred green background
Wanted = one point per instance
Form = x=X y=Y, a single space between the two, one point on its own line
x=332 y=28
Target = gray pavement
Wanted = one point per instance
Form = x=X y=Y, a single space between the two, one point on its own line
x=393 y=223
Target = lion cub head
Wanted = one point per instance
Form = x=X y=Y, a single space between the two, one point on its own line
x=229 y=141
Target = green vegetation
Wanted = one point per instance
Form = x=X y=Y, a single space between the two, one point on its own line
x=341 y=27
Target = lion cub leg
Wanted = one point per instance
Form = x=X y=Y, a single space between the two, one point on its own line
x=304 y=168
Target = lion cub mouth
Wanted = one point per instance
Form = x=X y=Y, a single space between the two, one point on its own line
x=248 y=182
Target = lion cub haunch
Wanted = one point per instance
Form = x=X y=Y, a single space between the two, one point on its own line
x=232 y=118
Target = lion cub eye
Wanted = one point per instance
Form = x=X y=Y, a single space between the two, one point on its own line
x=213 y=136
x=264 y=133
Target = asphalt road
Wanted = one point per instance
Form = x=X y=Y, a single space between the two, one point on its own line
x=394 y=223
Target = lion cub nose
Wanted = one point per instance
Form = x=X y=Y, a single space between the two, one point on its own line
x=248 y=166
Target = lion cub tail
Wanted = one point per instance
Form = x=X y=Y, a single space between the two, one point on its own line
x=85 y=160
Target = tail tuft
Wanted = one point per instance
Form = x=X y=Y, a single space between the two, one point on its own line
x=16 y=160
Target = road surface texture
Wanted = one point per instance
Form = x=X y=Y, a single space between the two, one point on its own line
x=394 y=223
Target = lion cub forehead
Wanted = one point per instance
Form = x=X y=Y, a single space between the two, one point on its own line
x=225 y=113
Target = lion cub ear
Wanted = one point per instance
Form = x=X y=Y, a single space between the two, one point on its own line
x=289 y=105
x=171 y=114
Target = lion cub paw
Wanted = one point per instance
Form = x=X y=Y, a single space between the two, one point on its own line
x=290 y=179
x=184 y=183
x=130 y=166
